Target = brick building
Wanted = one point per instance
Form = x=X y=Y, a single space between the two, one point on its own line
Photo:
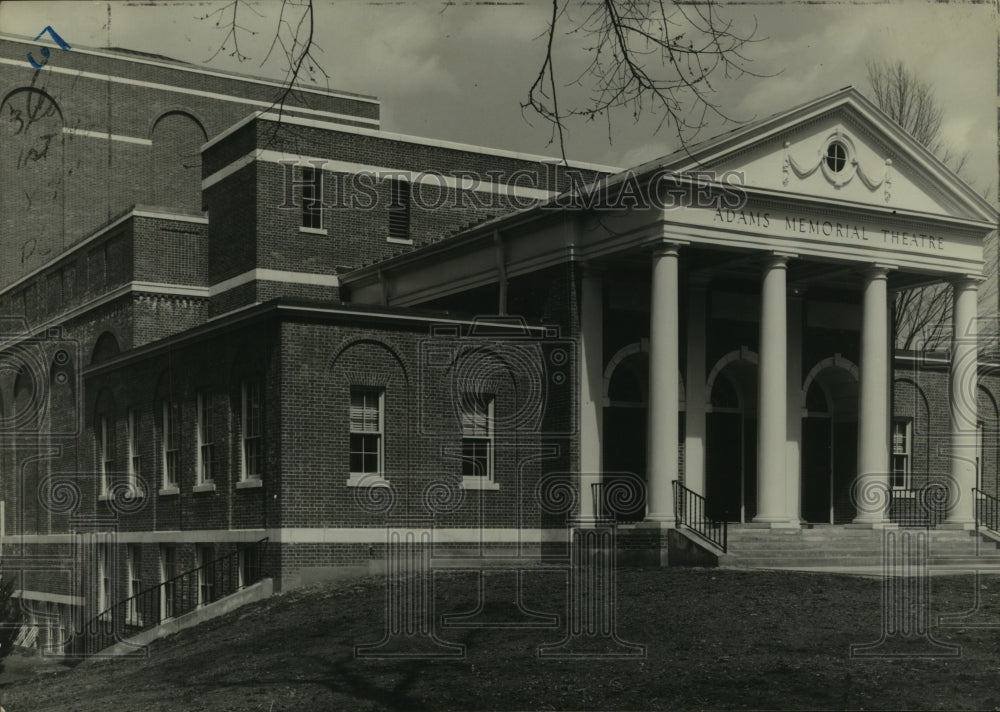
x=227 y=321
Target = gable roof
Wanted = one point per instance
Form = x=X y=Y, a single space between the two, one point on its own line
x=853 y=106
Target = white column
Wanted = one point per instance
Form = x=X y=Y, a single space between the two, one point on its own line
x=793 y=449
x=871 y=492
x=964 y=406
x=664 y=396
x=772 y=402
x=694 y=384
x=591 y=385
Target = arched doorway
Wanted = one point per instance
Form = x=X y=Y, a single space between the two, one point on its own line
x=830 y=442
x=626 y=396
x=731 y=438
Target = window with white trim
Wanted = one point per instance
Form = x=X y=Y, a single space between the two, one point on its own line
x=312 y=198
x=133 y=555
x=206 y=446
x=205 y=563
x=171 y=442
x=105 y=452
x=251 y=429
x=366 y=425
x=132 y=425
x=902 y=432
x=477 y=435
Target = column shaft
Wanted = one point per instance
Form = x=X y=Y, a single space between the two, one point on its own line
x=964 y=409
x=591 y=386
x=664 y=398
x=871 y=492
x=772 y=404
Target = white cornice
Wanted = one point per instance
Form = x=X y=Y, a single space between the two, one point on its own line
x=432 y=179
x=193 y=92
x=139 y=212
x=136 y=59
x=419 y=140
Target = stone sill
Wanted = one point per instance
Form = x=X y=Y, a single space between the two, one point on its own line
x=253 y=483
x=479 y=483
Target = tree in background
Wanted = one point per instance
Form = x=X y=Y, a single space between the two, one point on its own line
x=643 y=56
x=921 y=315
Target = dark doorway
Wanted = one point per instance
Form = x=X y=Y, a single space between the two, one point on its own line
x=817 y=464
x=625 y=457
x=845 y=470
x=830 y=444
x=731 y=443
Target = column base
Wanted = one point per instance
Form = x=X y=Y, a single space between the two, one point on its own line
x=768 y=522
x=872 y=524
x=662 y=521
x=957 y=526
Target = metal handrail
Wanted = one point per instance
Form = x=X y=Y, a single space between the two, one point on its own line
x=987 y=510
x=172 y=598
x=689 y=508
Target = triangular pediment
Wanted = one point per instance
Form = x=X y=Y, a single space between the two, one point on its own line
x=838 y=148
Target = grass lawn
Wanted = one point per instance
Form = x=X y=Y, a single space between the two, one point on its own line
x=714 y=639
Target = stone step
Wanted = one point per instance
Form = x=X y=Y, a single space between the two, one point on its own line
x=833 y=547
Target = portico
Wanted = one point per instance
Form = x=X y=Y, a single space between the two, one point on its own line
x=732 y=309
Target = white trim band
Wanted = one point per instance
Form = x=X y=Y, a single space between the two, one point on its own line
x=262 y=274
x=407 y=138
x=194 y=92
x=429 y=178
x=107 y=136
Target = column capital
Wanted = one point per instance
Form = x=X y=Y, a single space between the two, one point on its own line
x=777 y=259
x=967 y=282
x=877 y=270
x=666 y=249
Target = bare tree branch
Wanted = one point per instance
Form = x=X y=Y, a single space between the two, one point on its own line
x=921 y=316
x=647 y=56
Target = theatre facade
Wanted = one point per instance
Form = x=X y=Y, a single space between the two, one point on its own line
x=275 y=358
x=733 y=310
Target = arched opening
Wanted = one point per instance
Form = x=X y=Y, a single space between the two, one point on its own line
x=731 y=438
x=624 y=452
x=829 y=442
x=105 y=348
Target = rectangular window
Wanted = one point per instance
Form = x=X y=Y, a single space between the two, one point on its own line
x=206 y=574
x=105 y=455
x=134 y=562
x=366 y=431
x=105 y=591
x=477 y=435
x=399 y=210
x=251 y=431
x=901 y=437
x=206 y=447
x=312 y=198
x=171 y=442
x=168 y=572
x=133 y=447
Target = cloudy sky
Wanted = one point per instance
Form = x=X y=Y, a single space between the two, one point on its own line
x=461 y=71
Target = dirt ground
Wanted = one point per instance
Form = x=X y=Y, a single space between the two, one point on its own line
x=713 y=640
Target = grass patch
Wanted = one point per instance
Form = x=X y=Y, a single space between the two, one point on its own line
x=714 y=640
